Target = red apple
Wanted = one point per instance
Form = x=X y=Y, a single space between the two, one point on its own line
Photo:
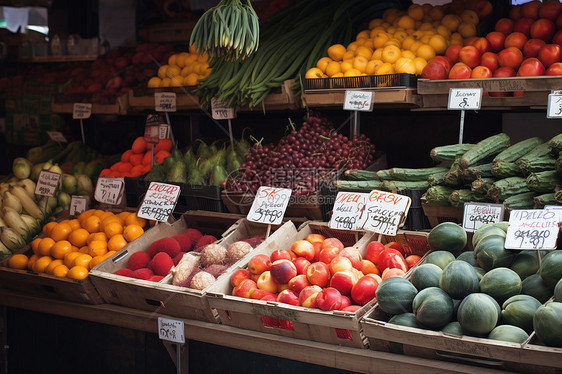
x=280 y=254
x=469 y=56
x=443 y=60
x=515 y=12
x=301 y=264
x=559 y=22
x=482 y=45
x=505 y=26
x=258 y=264
x=543 y=29
x=452 y=52
x=328 y=254
x=515 y=39
x=373 y=250
x=267 y=283
x=549 y=54
x=317 y=248
x=318 y=273
x=523 y=25
x=303 y=248
x=353 y=255
x=532 y=47
x=481 y=72
x=502 y=72
x=531 y=9
x=259 y=294
x=368 y=267
x=434 y=71
x=288 y=297
x=245 y=288
x=121 y=62
x=459 y=71
x=329 y=299
x=550 y=10
x=254 y=277
x=557 y=38
x=351 y=308
x=340 y=263
x=392 y=272
x=510 y=57
x=315 y=238
x=238 y=276
x=490 y=60
x=283 y=270
x=554 y=69
x=307 y=297
x=332 y=242
x=281 y=287
x=391 y=258
x=299 y=282
x=496 y=40
x=483 y=8
x=411 y=260
x=345 y=302
x=364 y=290
x=343 y=281
x=531 y=67
x=114 y=83
x=395 y=245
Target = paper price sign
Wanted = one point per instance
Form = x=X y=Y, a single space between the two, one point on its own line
x=78 y=204
x=478 y=214
x=81 y=111
x=269 y=205
x=48 y=183
x=554 y=108
x=465 y=98
x=348 y=209
x=165 y=101
x=358 y=100
x=57 y=136
x=164 y=131
x=385 y=211
x=533 y=229
x=109 y=190
x=171 y=330
x=220 y=110
x=159 y=201
x=152 y=128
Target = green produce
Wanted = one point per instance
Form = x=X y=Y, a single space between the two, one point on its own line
x=508 y=333
x=433 y=308
x=555 y=144
x=537 y=164
x=459 y=279
x=439 y=258
x=12 y=202
x=178 y=173
x=534 y=286
x=436 y=179
x=43 y=153
x=84 y=185
x=481 y=185
x=490 y=253
x=453 y=178
x=550 y=269
x=453 y=328
x=518 y=149
x=459 y=197
x=543 y=181
x=486 y=230
x=523 y=200
x=558 y=291
x=395 y=295
x=478 y=314
x=547 y=323
x=503 y=169
x=21 y=167
x=501 y=283
x=438 y=195
x=13 y=220
x=218 y=175
x=449 y=152
x=545 y=199
x=525 y=264
x=69 y=183
x=405 y=319
x=476 y=171
x=447 y=236
x=488 y=147
x=468 y=257
x=11 y=239
x=390 y=185
x=407 y=174
x=28 y=202
x=4 y=251
x=519 y=310
x=425 y=275
x=360 y=175
x=383 y=174
x=540 y=150
x=503 y=188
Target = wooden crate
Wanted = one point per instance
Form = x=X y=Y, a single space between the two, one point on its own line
x=142 y=98
x=120 y=106
x=171 y=32
x=280 y=98
x=333 y=327
x=382 y=98
x=438 y=214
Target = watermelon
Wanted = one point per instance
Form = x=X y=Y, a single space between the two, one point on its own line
x=525 y=263
x=551 y=268
x=479 y=271
x=547 y=323
x=501 y=283
x=483 y=231
x=447 y=236
x=433 y=308
x=468 y=256
x=439 y=258
x=425 y=275
x=519 y=310
x=534 y=285
x=453 y=328
x=558 y=291
x=395 y=295
x=405 y=319
x=459 y=279
x=508 y=333
x=490 y=253
x=478 y=314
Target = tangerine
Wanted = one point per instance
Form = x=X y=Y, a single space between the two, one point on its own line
x=18 y=261
x=52 y=265
x=92 y=224
x=97 y=248
x=69 y=258
x=133 y=219
x=48 y=227
x=44 y=247
x=132 y=232
x=96 y=260
x=116 y=242
x=77 y=272
x=79 y=237
x=32 y=260
x=60 y=271
x=61 y=248
x=41 y=264
x=75 y=224
x=35 y=244
x=82 y=260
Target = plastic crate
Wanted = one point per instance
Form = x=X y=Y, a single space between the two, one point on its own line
x=365 y=81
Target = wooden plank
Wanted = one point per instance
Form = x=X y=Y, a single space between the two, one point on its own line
x=508 y=84
x=400 y=97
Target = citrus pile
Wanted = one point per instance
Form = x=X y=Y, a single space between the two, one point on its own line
x=183 y=69
x=72 y=247
x=399 y=42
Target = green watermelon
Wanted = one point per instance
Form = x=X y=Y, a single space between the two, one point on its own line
x=439 y=258
x=468 y=256
x=558 y=291
x=478 y=314
x=425 y=275
x=395 y=295
x=508 y=333
x=453 y=328
x=501 y=283
x=480 y=272
x=547 y=323
x=519 y=310
x=405 y=319
x=433 y=308
x=551 y=268
x=489 y=227
x=525 y=263
x=459 y=279
x=534 y=285
x=490 y=253
x=447 y=236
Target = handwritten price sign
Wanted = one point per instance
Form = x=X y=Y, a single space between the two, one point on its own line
x=533 y=229
x=358 y=100
x=479 y=214
x=81 y=110
x=48 y=183
x=159 y=201
x=220 y=110
x=269 y=205
x=348 y=209
x=78 y=204
x=385 y=211
x=57 y=136
x=109 y=190
x=554 y=108
x=465 y=98
x=171 y=330
x=165 y=101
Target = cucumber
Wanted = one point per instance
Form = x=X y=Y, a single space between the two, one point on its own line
x=449 y=152
x=503 y=169
x=520 y=201
x=503 y=188
x=360 y=175
x=532 y=165
x=406 y=174
x=438 y=195
x=543 y=181
x=457 y=198
x=477 y=171
x=518 y=150
x=485 y=148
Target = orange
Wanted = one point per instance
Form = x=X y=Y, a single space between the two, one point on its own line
x=380 y=39
x=375 y=22
x=60 y=231
x=82 y=260
x=323 y=63
x=97 y=236
x=60 y=271
x=31 y=261
x=18 y=261
x=61 y=248
x=416 y=12
x=133 y=219
x=419 y=63
x=406 y=22
x=348 y=55
x=408 y=54
x=467 y=29
x=108 y=220
x=333 y=68
x=132 y=232
x=346 y=65
x=391 y=53
x=92 y=224
x=444 y=31
x=77 y=272
x=313 y=73
x=360 y=63
x=438 y=43
x=364 y=51
x=386 y=68
x=377 y=54
x=35 y=244
x=78 y=237
x=451 y=21
x=153 y=82
x=116 y=242
x=96 y=260
x=372 y=66
x=85 y=214
x=352 y=73
x=75 y=224
x=436 y=13
x=109 y=254
x=69 y=258
x=405 y=65
x=364 y=34
x=48 y=227
x=44 y=246
x=426 y=52
x=97 y=248
x=41 y=264
x=191 y=79
x=105 y=215
x=336 y=52
x=470 y=16
x=52 y=265
x=84 y=249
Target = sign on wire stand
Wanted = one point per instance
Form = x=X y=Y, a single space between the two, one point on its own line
x=159 y=201
x=385 y=211
x=554 y=108
x=109 y=190
x=152 y=128
x=48 y=183
x=465 y=98
x=81 y=110
x=165 y=101
x=269 y=205
x=478 y=214
x=220 y=110
x=171 y=330
x=78 y=204
x=348 y=209
x=358 y=101
x=533 y=229
x=57 y=136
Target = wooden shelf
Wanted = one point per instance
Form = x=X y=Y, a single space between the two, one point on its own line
x=382 y=98
x=64 y=58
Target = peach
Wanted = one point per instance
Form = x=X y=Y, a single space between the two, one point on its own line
x=343 y=281
x=392 y=272
x=299 y=282
x=411 y=260
x=259 y=263
x=367 y=267
x=373 y=251
x=327 y=254
x=269 y=297
x=351 y=308
x=280 y=254
x=353 y=254
x=329 y=299
x=364 y=290
x=315 y=238
x=255 y=277
x=266 y=282
x=317 y=248
x=301 y=264
x=283 y=270
x=238 y=276
x=332 y=242
x=288 y=297
x=345 y=302
x=259 y=294
x=245 y=288
x=340 y=263
x=307 y=297
x=318 y=273
x=282 y=287
x=376 y=276
x=303 y=248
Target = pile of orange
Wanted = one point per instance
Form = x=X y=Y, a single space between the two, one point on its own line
x=182 y=69
x=138 y=160
x=72 y=247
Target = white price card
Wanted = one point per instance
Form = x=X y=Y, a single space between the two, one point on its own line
x=385 y=211
x=164 y=131
x=152 y=128
x=159 y=201
x=57 y=136
x=81 y=110
x=171 y=330
x=269 y=205
x=165 y=101
x=220 y=110
x=348 y=209
x=109 y=190
x=465 y=99
x=554 y=108
x=358 y=100
x=533 y=229
x=78 y=204
x=478 y=214
x=48 y=183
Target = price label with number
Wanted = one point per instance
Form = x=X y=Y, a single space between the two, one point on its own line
x=159 y=201
x=165 y=101
x=358 y=100
x=78 y=204
x=57 y=136
x=48 y=183
x=269 y=205
x=109 y=190
x=479 y=214
x=171 y=330
x=533 y=229
x=81 y=110
x=385 y=212
x=465 y=98
x=554 y=108
x=220 y=110
x=348 y=210
x=152 y=128
x=164 y=131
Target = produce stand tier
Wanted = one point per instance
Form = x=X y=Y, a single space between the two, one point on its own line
x=383 y=97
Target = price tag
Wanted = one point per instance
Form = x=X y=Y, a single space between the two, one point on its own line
x=57 y=136
x=220 y=110
x=269 y=205
x=385 y=211
x=81 y=110
x=479 y=214
x=533 y=229
x=465 y=98
x=164 y=131
x=159 y=201
x=109 y=190
x=348 y=209
x=554 y=108
x=48 y=183
x=152 y=128
x=358 y=100
x=171 y=330
x=78 y=204
x=165 y=101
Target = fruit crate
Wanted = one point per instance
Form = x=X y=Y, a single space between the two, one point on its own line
x=163 y=297
x=333 y=327
x=383 y=97
x=141 y=98
x=280 y=98
x=437 y=214
x=435 y=345
x=119 y=106
x=364 y=81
